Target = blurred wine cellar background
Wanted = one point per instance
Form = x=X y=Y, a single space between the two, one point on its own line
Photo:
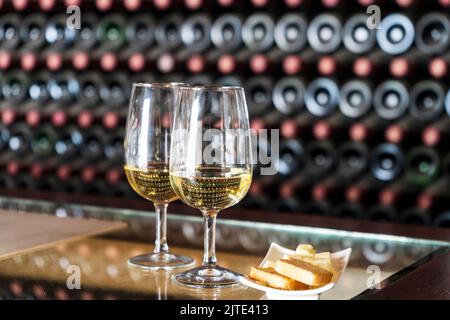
x=363 y=114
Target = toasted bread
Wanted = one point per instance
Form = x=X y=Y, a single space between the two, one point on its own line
x=305 y=248
x=322 y=255
x=269 y=264
x=304 y=272
x=273 y=279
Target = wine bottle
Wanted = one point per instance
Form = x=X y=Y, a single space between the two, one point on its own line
x=69 y=142
x=382 y=213
x=63 y=87
x=291 y=157
x=316 y=208
x=111 y=31
x=442 y=220
x=85 y=37
x=251 y=202
x=391 y=99
x=355 y=98
x=415 y=216
x=433 y=33
x=32 y=31
x=422 y=165
x=287 y=205
x=115 y=89
x=230 y=81
x=15 y=86
x=113 y=149
x=258 y=32
x=226 y=32
x=56 y=33
x=9 y=31
x=94 y=140
x=427 y=100
x=167 y=31
x=43 y=141
x=322 y=97
x=290 y=32
x=195 y=33
x=396 y=34
x=139 y=30
x=259 y=94
x=4 y=137
x=288 y=95
x=387 y=162
x=325 y=33
x=352 y=160
x=20 y=139
x=348 y=211
x=357 y=37
x=320 y=158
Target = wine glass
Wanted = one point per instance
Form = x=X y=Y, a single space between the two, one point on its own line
x=147 y=146
x=210 y=166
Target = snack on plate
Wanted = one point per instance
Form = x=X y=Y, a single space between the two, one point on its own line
x=305 y=248
x=303 y=272
x=299 y=271
x=269 y=264
x=269 y=276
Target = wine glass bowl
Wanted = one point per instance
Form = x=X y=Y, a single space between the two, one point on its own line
x=147 y=147
x=210 y=166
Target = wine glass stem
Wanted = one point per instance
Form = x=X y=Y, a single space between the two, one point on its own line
x=161 y=237
x=209 y=256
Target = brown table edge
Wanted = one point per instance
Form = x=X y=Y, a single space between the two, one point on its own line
x=413 y=282
x=115 y=226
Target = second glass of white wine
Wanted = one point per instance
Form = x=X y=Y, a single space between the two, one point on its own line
x=147 y=146
x=210 y=167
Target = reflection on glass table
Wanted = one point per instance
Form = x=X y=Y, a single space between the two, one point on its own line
x=104 y=273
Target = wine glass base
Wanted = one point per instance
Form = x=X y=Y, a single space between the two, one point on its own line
x=160 y=261
x=204 y=277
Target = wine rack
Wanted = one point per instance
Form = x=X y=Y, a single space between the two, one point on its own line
x=363 y=113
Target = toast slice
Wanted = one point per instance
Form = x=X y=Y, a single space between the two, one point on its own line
x=304 y=272
x=273 y=279
x=302 y=248
x=269 y=264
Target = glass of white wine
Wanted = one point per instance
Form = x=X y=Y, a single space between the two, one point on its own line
x=147 y=146
x=210 y=166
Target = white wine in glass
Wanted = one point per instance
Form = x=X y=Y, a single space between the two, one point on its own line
x=210 y=167
x=147 y=146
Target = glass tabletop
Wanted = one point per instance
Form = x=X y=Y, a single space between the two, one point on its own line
x=96 y=268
